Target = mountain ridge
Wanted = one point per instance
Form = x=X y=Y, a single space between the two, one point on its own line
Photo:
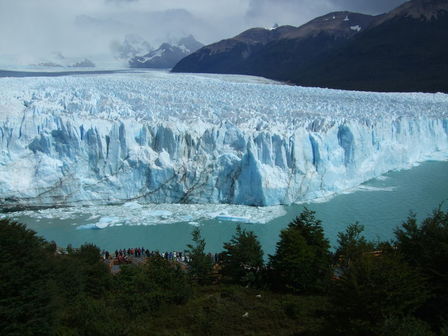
x=167 y=55
x=271 y=53
x=342 y=50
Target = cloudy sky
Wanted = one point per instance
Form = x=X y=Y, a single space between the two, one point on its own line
x=33 y=28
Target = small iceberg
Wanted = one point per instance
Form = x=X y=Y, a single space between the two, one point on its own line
x=88 y=227
x=372 y=188
x=229 y=218
x=159 y=213
x=106 y=221
x=132 y=205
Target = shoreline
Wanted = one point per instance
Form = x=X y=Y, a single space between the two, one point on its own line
x=12 y=208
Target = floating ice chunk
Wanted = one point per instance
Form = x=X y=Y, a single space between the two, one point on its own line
x=372 y=188
x=186 y=218
x=88 y=227
x=158 y=213
x=229 y=218
x=132 y=205
x=107 y=221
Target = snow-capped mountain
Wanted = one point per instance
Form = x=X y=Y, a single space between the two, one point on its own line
x=167 y=55
x=57 y=60
x=115 y=138
x=131 y=46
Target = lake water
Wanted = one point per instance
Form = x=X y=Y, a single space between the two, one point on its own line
x=380 y=205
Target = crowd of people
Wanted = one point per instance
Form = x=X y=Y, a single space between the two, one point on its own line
x=140 y=253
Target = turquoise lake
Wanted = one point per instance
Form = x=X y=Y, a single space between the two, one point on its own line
x=380 y=205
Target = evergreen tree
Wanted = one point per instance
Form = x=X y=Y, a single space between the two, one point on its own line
x=26 y=288
x=95 y=275
x=302 y=259
x=351 y=246
x=425 y=247
x=375 y=290
x=199 y=263
x=405 y=326
x=242 y=259
x=143 y=289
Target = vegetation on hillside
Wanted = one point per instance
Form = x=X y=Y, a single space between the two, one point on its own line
x=364 y=288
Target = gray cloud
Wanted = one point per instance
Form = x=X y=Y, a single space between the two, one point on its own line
x=296 y=12
x=367 y=6
x=120 y=1
x=31 y=29
x=293 y=12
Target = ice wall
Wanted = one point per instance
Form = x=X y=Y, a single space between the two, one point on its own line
x=188 y=139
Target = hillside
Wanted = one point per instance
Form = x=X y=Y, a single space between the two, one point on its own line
x=403 y=50
x=272 y=52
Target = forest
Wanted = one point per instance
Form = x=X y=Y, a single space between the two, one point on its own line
x=358 y=287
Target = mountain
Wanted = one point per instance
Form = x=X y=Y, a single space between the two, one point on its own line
x=57 y=60
x=273 y=52
x=167 y=55
x=85 y=63
x=403 y=50
x=92 y=139
x=131 y=46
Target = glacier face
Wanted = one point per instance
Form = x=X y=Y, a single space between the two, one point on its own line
x=177 y=138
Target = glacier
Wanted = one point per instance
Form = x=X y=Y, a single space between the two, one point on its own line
x=156 y=137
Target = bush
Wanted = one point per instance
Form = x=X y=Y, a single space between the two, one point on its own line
x=144 y=289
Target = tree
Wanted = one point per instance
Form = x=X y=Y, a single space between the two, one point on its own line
x=405 y=326
x=302 y=259
x=89 y=316
x=374 y=290
x=199 y=263
x=351 y=245
x=242 y=259
x=143 y=289
x=425 y=247
x=26 y=290
x=95 y=275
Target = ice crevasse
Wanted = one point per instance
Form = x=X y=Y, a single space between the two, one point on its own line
x=163 y=138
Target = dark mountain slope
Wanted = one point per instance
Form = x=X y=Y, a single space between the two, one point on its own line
x=403 y=50
x=406 y=50
x=272 y=53
x=230 y=56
